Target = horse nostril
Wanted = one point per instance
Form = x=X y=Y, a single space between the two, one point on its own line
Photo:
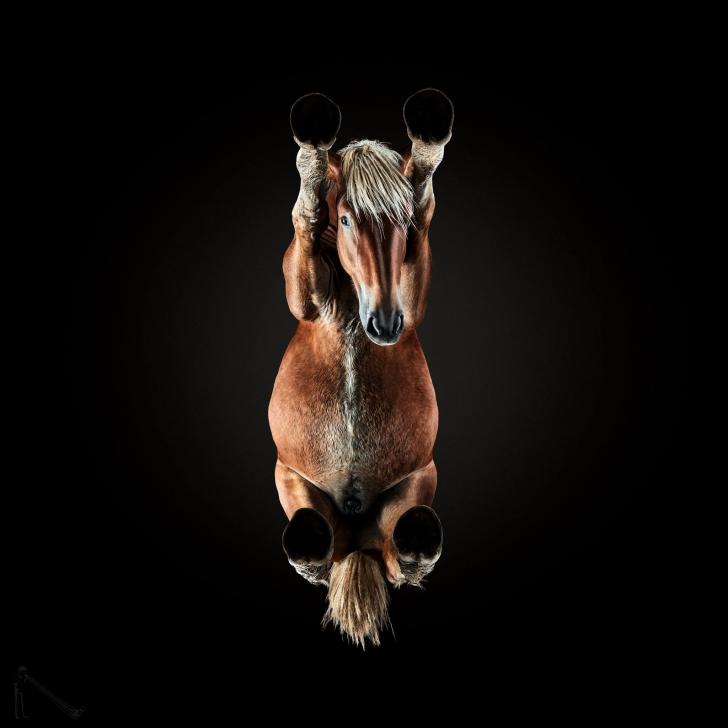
x=372 y=326
x=398 y=324
x=386 y=328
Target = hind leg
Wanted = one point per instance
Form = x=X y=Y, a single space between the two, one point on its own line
x=407 y=531
x=315 y=535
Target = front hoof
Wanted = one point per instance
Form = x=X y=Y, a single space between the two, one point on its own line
x=308 y=541
x=429 y=115
x=315 y=120
x=417 y=541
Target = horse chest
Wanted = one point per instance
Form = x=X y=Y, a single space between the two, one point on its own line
x=357 y=419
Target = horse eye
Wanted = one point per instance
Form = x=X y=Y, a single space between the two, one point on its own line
x=345 y=221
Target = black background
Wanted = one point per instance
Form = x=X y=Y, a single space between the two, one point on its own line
x=148 y=577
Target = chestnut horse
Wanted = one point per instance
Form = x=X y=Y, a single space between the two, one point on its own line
x=353 y=412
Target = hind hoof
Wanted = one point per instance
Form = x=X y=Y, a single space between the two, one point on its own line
x=308 y=542
x=417 y=541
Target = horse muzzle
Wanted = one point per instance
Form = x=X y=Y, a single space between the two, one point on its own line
x=384 y=327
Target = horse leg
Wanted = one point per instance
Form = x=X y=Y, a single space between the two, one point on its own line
x=428 y=115
x=314 y=536
x=315 y=121
x=407 y=531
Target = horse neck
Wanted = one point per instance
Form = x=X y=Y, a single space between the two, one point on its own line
x=339 y=337
x=349 y=333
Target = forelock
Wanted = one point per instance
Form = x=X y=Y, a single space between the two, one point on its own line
x=375 y=185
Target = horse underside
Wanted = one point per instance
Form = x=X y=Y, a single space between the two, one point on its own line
x=355 y=475
x=353 y=410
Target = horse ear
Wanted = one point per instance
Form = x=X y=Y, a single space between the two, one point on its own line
x=335 y=174
x=408 y=168
x=315 y=120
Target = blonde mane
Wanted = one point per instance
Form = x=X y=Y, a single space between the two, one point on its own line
x=375 y=185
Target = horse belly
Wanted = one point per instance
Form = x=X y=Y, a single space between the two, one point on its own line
x=353 y=445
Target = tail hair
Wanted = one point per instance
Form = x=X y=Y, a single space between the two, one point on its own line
x=358 y=599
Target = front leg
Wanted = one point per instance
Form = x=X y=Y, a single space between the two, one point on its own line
x=315 y=121
x=428 y=115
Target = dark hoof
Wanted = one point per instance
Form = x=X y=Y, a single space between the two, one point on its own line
x=308 y=541
x=308 y=537
x=418 y=540
x=429 y=115
x=315 y=119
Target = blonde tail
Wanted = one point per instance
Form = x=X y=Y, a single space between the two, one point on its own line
x=358 y=599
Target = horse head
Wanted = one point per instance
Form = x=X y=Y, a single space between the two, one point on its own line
x=373 y=200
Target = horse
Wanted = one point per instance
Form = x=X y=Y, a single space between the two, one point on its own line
x=353 y=412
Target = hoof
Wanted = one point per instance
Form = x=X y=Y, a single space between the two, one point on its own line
x=417 y=539
x=308 y=542
x=315 y=119
x=308 y=536
x=428 y=115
